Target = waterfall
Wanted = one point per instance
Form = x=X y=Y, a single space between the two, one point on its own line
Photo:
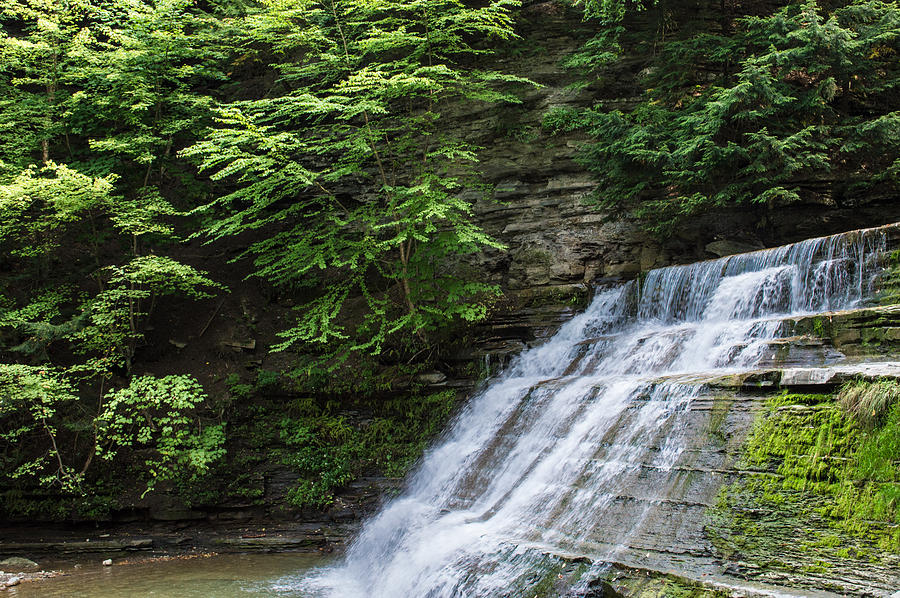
x=536 y=462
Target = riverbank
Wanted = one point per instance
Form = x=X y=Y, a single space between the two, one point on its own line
x=38 y=553
x=36 y=542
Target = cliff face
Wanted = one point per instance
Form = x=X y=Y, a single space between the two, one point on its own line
x=757 y=500
x=560 y=246
x=720 y=515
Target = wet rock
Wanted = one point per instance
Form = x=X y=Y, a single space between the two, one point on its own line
x=17 y=562
x=73 y=547
x=240 y=344
x=724 y=247
x=343 y=515
x=13 y=581
x=806 y=376
x=431 y=378
x=163 y=513
x=601 y=589
x=733 y=569
x=273 y=543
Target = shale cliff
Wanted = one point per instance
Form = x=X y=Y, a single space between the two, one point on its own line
x=559 y=242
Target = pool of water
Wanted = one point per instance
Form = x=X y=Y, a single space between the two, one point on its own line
x=221 y=576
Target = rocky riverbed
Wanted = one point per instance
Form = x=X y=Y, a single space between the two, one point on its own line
x=16 y=570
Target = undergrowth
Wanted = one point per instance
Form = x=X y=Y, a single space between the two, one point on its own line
x=329 y=440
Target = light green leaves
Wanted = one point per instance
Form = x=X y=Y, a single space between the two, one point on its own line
x=39 y=204
x=156 y=416
x=361 y=109
x=29 y=400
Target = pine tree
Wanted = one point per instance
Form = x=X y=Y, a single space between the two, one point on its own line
x=802 y=96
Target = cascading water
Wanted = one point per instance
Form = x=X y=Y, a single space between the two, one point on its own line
x=534 y=464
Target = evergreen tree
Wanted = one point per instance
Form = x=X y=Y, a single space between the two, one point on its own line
x=803 y=99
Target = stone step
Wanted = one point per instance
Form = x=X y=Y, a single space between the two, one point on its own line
x=824 y=377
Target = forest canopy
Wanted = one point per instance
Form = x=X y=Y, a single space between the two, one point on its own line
x=128 y=126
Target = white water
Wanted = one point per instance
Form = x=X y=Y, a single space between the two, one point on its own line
x=534 y=463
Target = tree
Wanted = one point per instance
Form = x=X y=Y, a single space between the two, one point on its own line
x=155 y=416
x=52 y=406
x=812 y=100
x=96 y=98
x=347 y=168
x=35 y=69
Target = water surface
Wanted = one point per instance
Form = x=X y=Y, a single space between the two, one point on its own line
x=221 y=576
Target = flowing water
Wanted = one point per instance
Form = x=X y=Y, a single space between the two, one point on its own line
x=534 y=463
x=538 y=463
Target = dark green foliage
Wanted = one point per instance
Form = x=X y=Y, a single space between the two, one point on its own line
x=611 y=12
x=314 y=437
x=328 y=452
x=361 y=110
x=95 y=100
x=798 y=106
x=360 y=194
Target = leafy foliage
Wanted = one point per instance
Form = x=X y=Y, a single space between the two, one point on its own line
x=803 y=99
x=112 y=89
x=116 y=314
x=97 y=101
x=612 y=11
x=153 y=415
x=326 y=450
x=40 y=204
x=30 y=398
x=362 y=107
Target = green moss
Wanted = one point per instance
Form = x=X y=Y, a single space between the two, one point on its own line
x=534 y=257
x=541 y=584
x=869 y=401
x=819 y=326
x=327 y=449
x=889 y=281
x=718 y=415
x=639 y=585
x=819 y=483
x=804 y=438
x=544 y=575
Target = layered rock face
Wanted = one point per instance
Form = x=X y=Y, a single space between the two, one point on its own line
x=709 y=534
x=560 y=245
x=685 y=428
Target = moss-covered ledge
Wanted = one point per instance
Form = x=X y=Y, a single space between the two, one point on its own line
x=817 y=500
